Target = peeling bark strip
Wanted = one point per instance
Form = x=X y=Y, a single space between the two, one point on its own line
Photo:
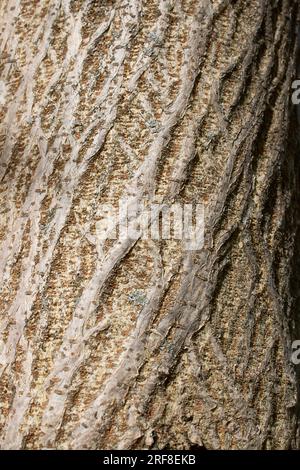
x=137 y=343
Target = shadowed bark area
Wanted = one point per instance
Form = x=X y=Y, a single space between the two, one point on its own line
x=128 y=344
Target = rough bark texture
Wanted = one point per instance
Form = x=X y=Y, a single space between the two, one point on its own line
x=139 y=344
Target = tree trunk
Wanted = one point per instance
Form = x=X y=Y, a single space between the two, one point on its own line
x=127 y=344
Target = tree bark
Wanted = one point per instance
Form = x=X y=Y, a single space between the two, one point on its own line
x=141 y=343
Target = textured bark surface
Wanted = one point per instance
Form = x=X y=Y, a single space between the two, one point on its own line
x=140 y=344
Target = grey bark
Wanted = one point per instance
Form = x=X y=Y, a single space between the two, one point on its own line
x=141 y=344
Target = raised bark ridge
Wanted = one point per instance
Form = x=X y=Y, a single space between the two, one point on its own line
x=188 y=101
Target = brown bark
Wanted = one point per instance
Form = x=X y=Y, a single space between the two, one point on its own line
x=141 y=344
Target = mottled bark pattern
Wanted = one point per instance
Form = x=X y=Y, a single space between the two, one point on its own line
x=139 y=344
